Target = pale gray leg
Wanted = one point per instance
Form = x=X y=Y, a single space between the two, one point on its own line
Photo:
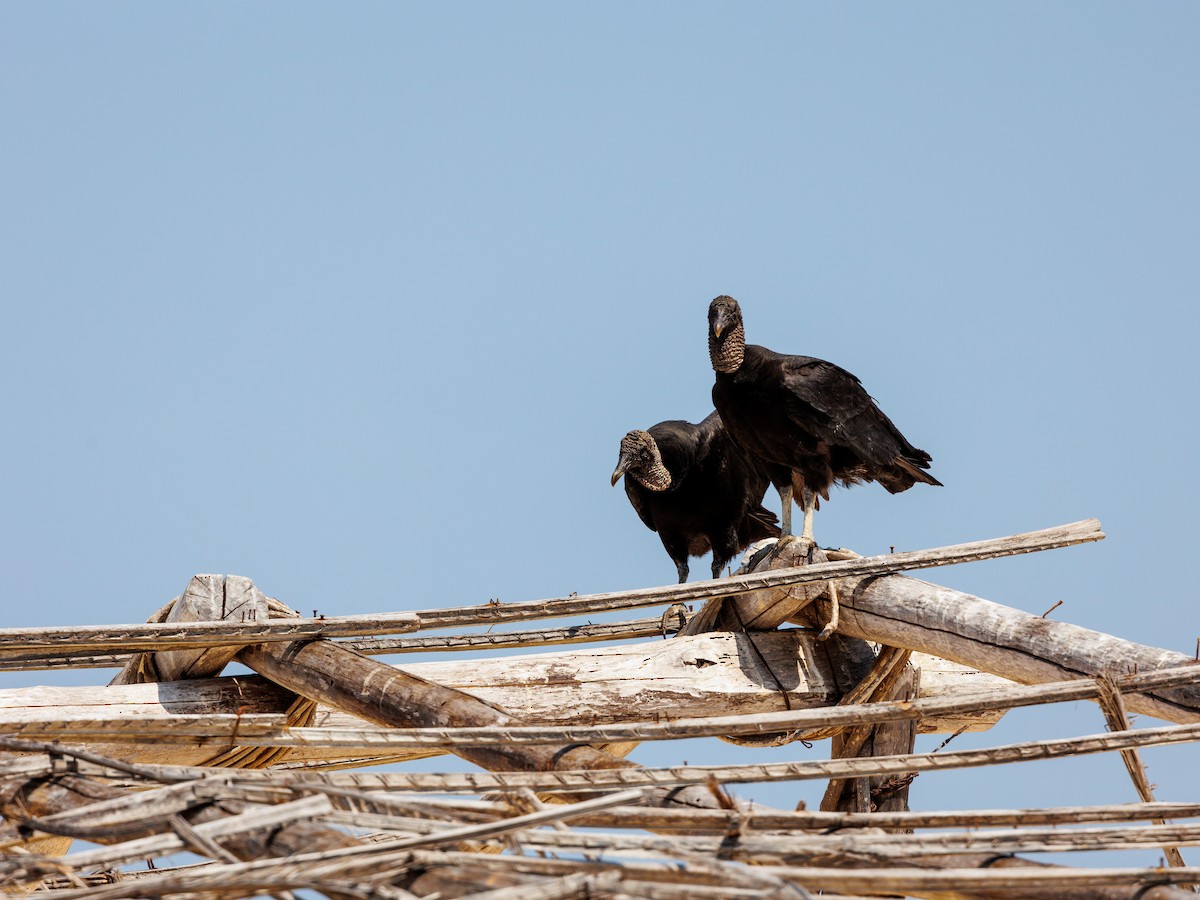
x=785 y=497
x=810 y=505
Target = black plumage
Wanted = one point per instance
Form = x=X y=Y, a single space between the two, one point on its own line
x=692 y=485
x=809 y=422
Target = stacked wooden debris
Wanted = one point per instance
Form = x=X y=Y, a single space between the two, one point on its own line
x=274 y=780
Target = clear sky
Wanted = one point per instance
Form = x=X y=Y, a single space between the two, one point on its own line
x=358 y=300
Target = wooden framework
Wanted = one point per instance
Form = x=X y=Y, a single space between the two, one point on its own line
x=273 y=779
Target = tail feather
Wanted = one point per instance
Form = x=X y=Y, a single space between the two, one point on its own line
x=759 y=523
x=908 y=473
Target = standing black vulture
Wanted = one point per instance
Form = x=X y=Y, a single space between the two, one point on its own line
x=692 y=485
x=809 y=422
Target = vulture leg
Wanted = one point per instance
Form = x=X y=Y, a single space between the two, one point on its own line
x=810 y=504
x=725 y=546
x=785 y=498
x=681 y=567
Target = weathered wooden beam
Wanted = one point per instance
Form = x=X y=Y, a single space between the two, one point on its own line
x=363 y=687
x=721 y=821
x=765 y=602
x=481 y=640
x=816 y=849
x=904 y=612
x=1029 y=649
x=1082 y=532
x=207 y=599
x=788 y=771
x=704 y=678
x=184 y=706
x=86 y=639
x=982 y=878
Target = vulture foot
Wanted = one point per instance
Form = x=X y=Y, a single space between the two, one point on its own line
x=832 y=624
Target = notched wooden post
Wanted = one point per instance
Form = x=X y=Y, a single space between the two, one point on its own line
x=207 y=598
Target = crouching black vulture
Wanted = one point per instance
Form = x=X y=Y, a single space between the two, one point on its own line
x=810 y=423
x=692 y=485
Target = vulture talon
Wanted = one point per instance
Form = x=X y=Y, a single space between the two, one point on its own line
x=834 y=607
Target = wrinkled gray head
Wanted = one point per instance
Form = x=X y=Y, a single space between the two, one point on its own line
x=726 y=339
x=641 y=460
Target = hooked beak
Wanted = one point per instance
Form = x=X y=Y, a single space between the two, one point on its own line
x=719 y=324
x=622 y=465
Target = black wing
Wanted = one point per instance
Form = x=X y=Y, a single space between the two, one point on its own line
x=832 y=405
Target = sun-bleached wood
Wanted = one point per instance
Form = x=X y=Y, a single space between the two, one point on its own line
x=482 y=640
x=904 y=612
x=959 y=884
x=354 y=859
x=701 y=677
x=770 y=591
x=1113 y=706
x=1082 y=532
x=722 y=821
x=620 y=777
x=209 y=598
x=561 y=780
x=150 y=710
x=86 y=639
x=363 y=687
x=900 y=611
x=399 y=872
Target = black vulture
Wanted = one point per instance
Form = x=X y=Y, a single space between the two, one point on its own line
x=809 y=422
x=692 y=485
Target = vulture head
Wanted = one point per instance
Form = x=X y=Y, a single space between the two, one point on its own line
x=726 y=339
x=641 y=460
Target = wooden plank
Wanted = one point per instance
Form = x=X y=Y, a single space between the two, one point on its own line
x=1085 y=531
x=481 y=640
x=722 y=821
x=1030 y=751
x=220 y=729
x=978 y=878
x=227 y=696
x=700 y=677
x=87 y=639
x=330 y=674
x=817 y=849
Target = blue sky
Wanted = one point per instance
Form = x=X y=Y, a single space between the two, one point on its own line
x=358 y=300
